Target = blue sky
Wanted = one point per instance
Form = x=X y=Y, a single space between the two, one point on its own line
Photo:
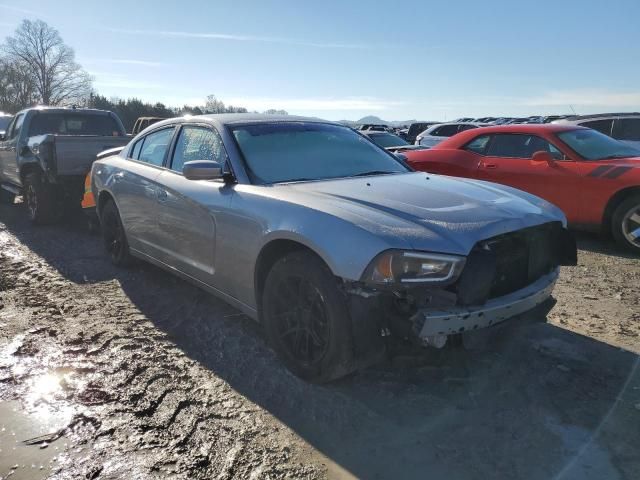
x=346 y=59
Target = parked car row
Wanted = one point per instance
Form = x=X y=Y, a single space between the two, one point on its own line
x=326 y=235
x=512 y=120
x=330 y=241
x=321 y=233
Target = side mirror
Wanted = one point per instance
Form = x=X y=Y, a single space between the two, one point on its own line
x=402 y=157
x=543 y=156
x=202 y=170
x=2 y=137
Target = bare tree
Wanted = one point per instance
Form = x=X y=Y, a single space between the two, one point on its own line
x=56 y=77
x=16 y=87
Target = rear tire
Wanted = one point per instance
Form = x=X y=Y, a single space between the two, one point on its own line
x=306 y=318
x=626 y=224
x=41 y=199
x=113 y=234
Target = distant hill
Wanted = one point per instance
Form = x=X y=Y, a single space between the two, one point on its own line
x=372 y=119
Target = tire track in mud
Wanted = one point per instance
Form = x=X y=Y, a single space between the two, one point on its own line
x=139 y=403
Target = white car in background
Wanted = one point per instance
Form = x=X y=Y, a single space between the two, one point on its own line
x=441 y=131
x=621 y=126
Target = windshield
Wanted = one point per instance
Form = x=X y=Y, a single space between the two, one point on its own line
x=593 y=145
x=299 y=151
x=385 y=140
x=74 y=124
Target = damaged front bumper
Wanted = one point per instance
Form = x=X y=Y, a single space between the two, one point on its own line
x=433 y=322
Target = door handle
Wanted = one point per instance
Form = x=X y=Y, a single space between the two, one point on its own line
x=490 y=166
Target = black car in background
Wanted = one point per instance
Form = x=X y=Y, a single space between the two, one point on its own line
x=416 y=129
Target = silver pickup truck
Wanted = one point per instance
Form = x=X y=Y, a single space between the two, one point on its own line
x=46 y=152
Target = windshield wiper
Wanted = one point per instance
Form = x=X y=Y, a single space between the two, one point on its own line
x=293 y=180
x=613 y=157
x=373 y=172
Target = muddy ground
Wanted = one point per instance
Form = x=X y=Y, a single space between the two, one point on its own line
x=108 y=373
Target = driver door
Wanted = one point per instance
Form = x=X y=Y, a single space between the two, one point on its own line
x=187 y=209
x=508 y=161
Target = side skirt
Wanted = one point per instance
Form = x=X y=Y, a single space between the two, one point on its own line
x=244 y=308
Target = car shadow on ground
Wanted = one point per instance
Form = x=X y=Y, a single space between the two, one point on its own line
x=534 y=402
x=597 y=243
x=537 y=401
x=68 y=246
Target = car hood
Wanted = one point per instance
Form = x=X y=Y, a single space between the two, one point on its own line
x=424 y=212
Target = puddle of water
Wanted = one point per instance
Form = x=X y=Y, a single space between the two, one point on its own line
x=16 y=426
x=42 y=399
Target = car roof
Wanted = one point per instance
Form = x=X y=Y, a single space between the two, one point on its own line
x=92 y=111
x=242 y=118
x=438 y=125
x=524 y=128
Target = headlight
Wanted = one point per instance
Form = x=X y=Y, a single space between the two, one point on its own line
x=396 y=266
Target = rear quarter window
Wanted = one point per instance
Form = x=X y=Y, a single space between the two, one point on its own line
x=478 y=144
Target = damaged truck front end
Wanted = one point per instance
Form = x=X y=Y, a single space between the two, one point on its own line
x=426 y=298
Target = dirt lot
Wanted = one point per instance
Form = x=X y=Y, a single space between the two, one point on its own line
x=108 y=373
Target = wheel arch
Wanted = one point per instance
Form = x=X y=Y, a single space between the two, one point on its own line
x=270 y=253
x=28 y=168
x=613 y=203
x=103 y=197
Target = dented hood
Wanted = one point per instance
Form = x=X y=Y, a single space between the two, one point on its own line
x=424 y=211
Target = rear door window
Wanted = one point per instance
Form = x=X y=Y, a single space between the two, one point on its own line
x=478 y=144
x=602 y=126
x=627 y=129
x=135 y=153
x=155 y=146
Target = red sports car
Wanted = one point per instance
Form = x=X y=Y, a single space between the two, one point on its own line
x=593 y=178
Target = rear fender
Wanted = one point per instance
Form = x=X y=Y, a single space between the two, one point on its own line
x=40 y=151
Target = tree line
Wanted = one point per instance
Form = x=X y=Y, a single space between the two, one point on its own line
x=38 y=68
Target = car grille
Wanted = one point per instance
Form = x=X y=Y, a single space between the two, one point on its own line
x=506 y=263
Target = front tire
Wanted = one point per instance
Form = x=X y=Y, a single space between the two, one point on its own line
x=113 y=234
x=306 y=318
x=41 y=199
x=6 y=198
x=626 y=224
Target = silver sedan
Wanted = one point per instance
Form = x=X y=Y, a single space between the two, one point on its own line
x=328 y=240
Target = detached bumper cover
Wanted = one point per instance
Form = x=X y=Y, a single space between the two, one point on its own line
x=452 y=320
